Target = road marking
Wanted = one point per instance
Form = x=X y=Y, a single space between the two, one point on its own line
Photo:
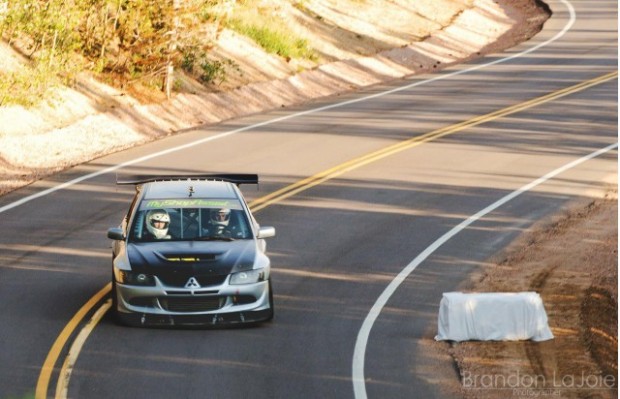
x=355 y=163
x=171 y=150
x=60 y=342
x=305 y=184
x=359 y=383
x=67 y=368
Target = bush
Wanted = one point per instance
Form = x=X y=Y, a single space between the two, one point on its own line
x=26 y=87
x=274 y=41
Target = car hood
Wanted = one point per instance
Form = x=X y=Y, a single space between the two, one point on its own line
x=174 y=262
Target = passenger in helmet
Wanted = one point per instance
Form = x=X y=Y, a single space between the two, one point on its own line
x=220 y=217
x=219 y=220
x=157 y=224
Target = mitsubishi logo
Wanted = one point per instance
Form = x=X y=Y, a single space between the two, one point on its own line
x=192 y=284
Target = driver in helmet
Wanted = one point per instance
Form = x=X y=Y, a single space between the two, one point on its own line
x=157 y=223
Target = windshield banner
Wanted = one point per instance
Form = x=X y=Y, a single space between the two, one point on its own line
x=191 y=203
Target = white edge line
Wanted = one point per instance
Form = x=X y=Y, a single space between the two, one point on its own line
x=358 y=379
x=362 y=338
x=279 y=119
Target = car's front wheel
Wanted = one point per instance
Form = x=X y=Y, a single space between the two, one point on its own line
x=270 y=315
x=113 y=309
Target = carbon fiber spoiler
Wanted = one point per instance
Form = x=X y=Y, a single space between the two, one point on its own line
x=237 y=179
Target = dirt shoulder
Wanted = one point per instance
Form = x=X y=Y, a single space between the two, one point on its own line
x=571 y=260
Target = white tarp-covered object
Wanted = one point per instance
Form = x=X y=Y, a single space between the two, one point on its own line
x=492 y=317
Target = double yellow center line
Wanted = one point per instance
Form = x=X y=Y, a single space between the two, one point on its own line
x=355 y=163
x=293 y=189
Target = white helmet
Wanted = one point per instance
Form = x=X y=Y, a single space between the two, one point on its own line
x=220 y=217
x=157 y=222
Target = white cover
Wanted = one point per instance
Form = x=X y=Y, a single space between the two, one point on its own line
x=492 y=317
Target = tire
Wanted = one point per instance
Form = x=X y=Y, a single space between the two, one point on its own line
x=271 y=314
x=114 y=307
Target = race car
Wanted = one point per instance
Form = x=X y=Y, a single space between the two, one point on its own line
x=189 y=252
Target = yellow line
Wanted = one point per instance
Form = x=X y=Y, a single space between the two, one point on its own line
x=312 y=181
x=352 y=164
x=62 y=387
x=54 y=353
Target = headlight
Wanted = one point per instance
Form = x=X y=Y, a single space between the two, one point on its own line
x=248 y=277
x=133 y=278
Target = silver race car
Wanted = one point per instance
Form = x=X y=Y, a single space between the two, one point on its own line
x=189 y=252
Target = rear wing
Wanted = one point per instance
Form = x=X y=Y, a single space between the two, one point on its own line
x=237 y=179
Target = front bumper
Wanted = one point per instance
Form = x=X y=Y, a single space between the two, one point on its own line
x=170 y=306
x=220 y=319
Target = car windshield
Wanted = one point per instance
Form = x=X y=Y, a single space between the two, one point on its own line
x=190 y=220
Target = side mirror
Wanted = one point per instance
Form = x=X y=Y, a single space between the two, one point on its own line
x=266 y=232
x=116 y=233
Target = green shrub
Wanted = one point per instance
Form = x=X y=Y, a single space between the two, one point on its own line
x=269 y=31
x=27 y=86
x=216 y=71
x=274 y=41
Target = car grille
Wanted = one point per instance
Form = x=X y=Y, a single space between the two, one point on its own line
x=180 y=281
x=191 y=303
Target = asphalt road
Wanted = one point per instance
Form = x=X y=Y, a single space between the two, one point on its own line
x=340 y=242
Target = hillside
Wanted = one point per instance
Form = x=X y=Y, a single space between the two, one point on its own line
x=354 y=48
